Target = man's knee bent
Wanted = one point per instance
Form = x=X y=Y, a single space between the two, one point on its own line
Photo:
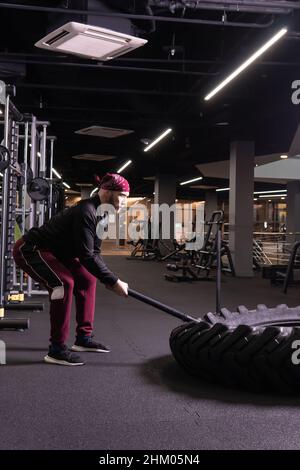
x=59 y=292
x=85 y=281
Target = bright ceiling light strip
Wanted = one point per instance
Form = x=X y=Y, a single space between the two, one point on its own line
x=56 y=173
x=124 y=166
x=1 y=174
x=93 y=192
x=259 y=192
x=270 y=192
x=66 y=185
x=246 y=64
x=159 y=138
x=272 y=195
x=192 y=181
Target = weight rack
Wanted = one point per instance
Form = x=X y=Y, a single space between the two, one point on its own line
x=8 y=300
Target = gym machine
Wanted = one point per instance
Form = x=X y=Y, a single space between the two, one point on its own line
x=148 y=249
x=176 y=313
x=197 y=265
x=280 y=273
x=43 y=190
x=285 y=274
x=10 y=169
x=143 y=250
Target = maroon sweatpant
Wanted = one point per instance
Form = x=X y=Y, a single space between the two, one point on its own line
x=62 y=279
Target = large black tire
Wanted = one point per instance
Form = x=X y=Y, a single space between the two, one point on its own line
x=248 y=348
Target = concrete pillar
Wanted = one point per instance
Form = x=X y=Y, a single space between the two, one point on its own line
x=241 y=206
x=211 y=203
x=293 y=211
x=85 y=192
x=165 y=193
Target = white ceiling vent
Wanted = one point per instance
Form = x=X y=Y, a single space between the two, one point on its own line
x=92 y=42
x=109 y=132
x=93 y=157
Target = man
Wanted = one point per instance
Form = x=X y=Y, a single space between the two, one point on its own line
x=64 y=256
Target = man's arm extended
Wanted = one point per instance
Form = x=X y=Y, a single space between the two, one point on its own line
x=85 y=232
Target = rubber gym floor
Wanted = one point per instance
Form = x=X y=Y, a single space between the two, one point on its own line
x=137 y=397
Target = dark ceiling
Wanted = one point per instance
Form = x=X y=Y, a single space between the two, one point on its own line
x=160 y=85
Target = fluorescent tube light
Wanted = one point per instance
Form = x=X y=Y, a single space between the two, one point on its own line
x=191 y=181
x=124 y=166
x=259 y=192
x=271 y=192
x=246 y=64
x=272 y=195
x=93 y=192
x=66 y=185
x=56 y=173
x=158 y=139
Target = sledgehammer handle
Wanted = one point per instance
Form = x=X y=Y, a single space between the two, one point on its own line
x=160 y=306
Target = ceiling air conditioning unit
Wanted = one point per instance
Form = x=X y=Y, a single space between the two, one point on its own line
x=93 y=157
x=100 y=131
x=91 y=42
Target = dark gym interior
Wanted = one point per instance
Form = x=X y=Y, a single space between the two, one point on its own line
x=142 y=103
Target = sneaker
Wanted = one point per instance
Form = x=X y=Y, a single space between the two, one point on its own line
x=86 y=344
x=63 y=357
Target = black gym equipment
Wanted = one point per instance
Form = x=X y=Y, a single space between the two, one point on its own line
x=19 y=324
x=175 y=252
x=283 y=274
x=197 y=265
x=143 y=250
x=153 y=249
x=251 y=349
x=38 y=189
x=11 y=171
